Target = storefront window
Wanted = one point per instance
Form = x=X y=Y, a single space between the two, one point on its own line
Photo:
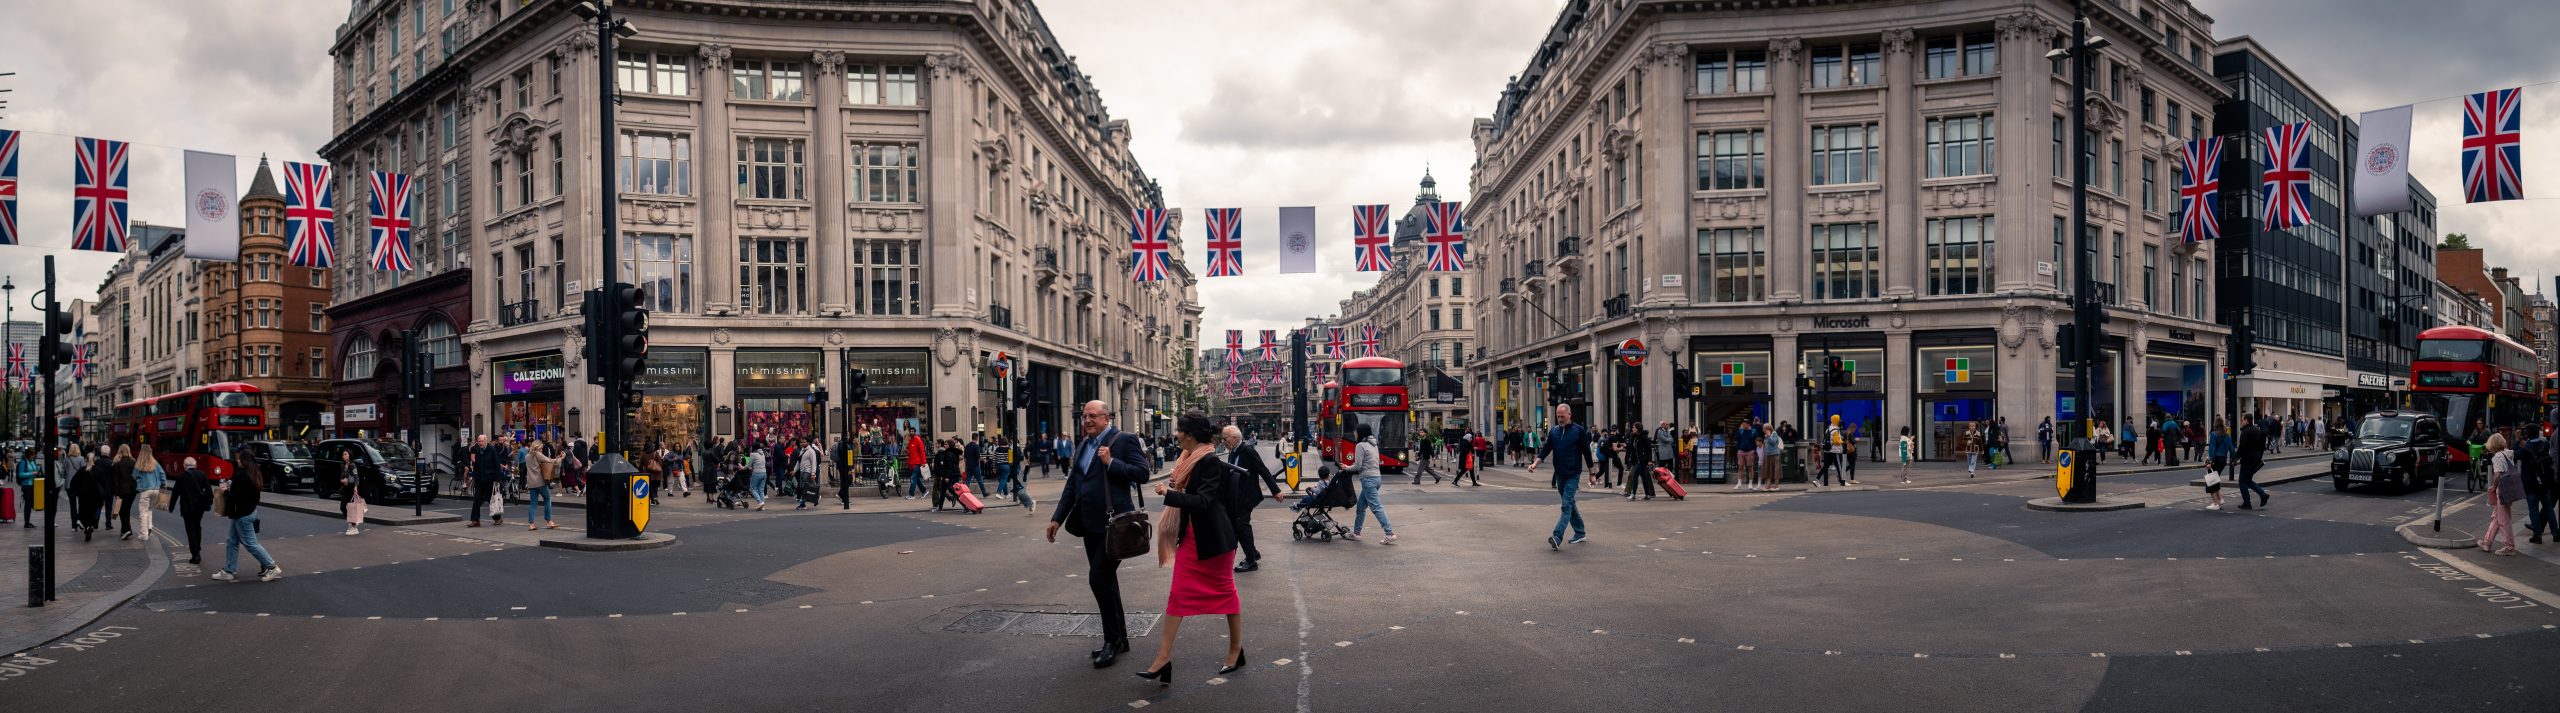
x=1731 y=384
x=901 y=390
x=2175 y=386
x=1858 y=402
x=1956 y=388
x=774 y=419
x=674 y=393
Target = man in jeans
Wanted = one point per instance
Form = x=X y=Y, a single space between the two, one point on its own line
x=1574 y=443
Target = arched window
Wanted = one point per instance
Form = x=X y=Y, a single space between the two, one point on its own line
x=359 y=363
x=441 y=345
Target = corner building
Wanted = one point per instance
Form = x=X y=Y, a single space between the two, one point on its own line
x=804 y=189
x=1747 y=190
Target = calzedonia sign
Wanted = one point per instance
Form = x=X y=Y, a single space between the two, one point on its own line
x=528 y=375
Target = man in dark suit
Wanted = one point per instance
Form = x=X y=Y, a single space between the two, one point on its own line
x=1244 y=494
x=1105 y=465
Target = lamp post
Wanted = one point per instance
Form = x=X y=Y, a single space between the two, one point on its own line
x=2087 y=314
x=9 y=318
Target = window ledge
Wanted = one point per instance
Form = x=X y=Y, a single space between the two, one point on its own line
x=1759 y=94
x=1842 y=187
x=1984 y=179
x=1958 y=79
x=781 y=103
x=1810 y=90
x=652 y=96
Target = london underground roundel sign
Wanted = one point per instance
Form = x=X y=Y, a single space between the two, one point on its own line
x=1631 y=352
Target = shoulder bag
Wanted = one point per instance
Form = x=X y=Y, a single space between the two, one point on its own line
x=222 y=500
x=1127 y=533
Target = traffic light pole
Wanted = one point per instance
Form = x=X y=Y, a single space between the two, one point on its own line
x=48 y=360
x=609 y=507
x=2085 y=314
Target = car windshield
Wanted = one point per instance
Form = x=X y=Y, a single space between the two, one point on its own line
x=2452 y=350
x=2396 y=429
x=392 y=451
x=233 y=399
x=1373 y=377
x=292 y=451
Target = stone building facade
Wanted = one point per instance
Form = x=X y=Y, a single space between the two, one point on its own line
x=909 y=190
x=1745 y=189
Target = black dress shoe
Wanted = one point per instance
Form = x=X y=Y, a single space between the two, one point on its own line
x=1109 y=653
x=1239 y=663
x=1162 y=676
x=1250 y=566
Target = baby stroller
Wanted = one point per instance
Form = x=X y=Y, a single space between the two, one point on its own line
x=1315 y=511
x=733 y=492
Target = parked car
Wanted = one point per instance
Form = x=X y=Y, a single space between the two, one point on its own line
x=2403 y=448
x=391 y=464
x=286 y=465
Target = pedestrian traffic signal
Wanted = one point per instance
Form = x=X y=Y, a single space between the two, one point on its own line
x=411 y=367
x=2069 y=338
x=1684 y=384
x=593 y=310
x=1838 y=373
x=57 y=348
x=630 y=331
x=858 y=387
x=2244 y=350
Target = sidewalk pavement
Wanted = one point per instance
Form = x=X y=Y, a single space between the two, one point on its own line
x=92 y=578
x=1872 y=475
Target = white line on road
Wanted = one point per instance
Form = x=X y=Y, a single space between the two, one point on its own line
x=2546 y=598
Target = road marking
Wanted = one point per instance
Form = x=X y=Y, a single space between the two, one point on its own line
x=1341 y=644
x=676 y=614
x=1687 y=640
x=1744 y=647
x=373 y=618
x=2510 y=585
x=1919 y=656
x=613 y=616
x=2097 y=654
x=1395 y=628
x=2008 y=656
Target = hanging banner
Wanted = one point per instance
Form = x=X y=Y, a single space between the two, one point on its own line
x=2382 y=162
x=1298 y=239
x=213 y=204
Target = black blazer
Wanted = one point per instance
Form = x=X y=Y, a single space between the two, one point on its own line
x=1204 y=508
x=1244 y=495
x=1091 y=494
x=194 y=492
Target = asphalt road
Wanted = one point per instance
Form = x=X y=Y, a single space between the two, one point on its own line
x=1947 y=598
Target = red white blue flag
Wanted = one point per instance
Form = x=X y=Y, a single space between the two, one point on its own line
x=1369 y=238
x=80 y=351
x=98 y=196
x=17 y=364
x=9 y=191
x=1270 y=345
x=310 y=217
x=1368 y=341
x=1226 y=242
x=1235 y=348
x=1333 y=346
x=2493 y=146
x=2288 y=177
x=1147 y=239
x=390 y=217
x=1444 y=237
x=2199 y=188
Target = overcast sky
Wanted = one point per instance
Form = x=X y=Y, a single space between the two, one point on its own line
x=1252 y=105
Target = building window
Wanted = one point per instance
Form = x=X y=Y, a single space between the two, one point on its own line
x=319 y=363
x=1844 y=153
x=1435 y=326
x=2177 y=283
x=559 y=173
x=1457 y=287
x=1844 y=261
x=555 y=77
x=2150 y=185
x=887 y=85
x=773 y=275
x=2118 y=271
x=452 y=114
x=653 y=73
x=888 y=277
x=1960 y=146
x=1733 y=71
x=1959 y=255
x=2146 y=99
x=319 y=318
x=1618 y=180
x=773 y=169
x=1733 y=265
x=2058 y=150
x=886 y=173
x=524 y=88
x=1940 y=58
x=2115 y=166
x=766 y=80
x=2196 y=294
x=657 y=163
x=439 y=345
x=359 y=359
x=2170 y=116
x=524 y=178
x=1981 y=54
x=2151 y=276
x=1729 y=160
x=663 y=265
x=447 y=181
x=1846 y=65
x=2061 y=227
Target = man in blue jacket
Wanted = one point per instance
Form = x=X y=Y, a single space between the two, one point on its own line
x=1573 y=442
x=1104 y=466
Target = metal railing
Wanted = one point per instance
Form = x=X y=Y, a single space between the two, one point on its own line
x=1044 y=257
x=1000 y=315
x=1615 y=307
x=1534 y=269
x=516 y=313
x=1568 y=246
x=1084 y=284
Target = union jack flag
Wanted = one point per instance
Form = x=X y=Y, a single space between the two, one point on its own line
x=1333 y=346
x=1322 y=370
x=79 y=351
x=17 y=363
x=310 y=220
x=2199 y=188
x=98 y=196
x=1226 y=242
x=1146 y=237
x=2287 y=182
x=1444 y=237
x=8 y=188
x=1270 y=345
x=1235 y=384
x=2493 y=146
x=1235 y=348
x=1369 y=237
x=390 y=217
x=1368 y=340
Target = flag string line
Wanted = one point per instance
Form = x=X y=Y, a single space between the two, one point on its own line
x=2459 y=97
x=41 y=132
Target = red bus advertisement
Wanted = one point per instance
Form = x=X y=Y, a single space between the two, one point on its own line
x=208 y=423
x=1371 y=392
x=2472 y=378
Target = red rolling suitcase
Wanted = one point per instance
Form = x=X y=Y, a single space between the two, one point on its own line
x=968 y=499
x=1670 y=483
x=8 y=504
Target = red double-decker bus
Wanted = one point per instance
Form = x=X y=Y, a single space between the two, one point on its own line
x=2474 y=378
x=208 y=423
x=1372 y=392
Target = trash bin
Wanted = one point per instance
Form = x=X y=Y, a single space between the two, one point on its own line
x=1791 y=469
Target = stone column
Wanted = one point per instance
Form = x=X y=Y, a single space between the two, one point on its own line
x=828 y=162
x=1903 y=246
x=1787 y=237
x=485 y=207
x=724 y=384
x=1782 y=378
x=583 y=226
x=717 y=243
x=946 y=145
x=2026 y=186
x=1901 y=382
x=1674 y=174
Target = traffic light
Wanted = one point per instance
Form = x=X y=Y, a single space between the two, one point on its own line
x=592 y=310
x=2244 y=350
x=2069 y=338
x=1684 y=385
x=411 y=368
x=1022 y=393
x=630 y=307
x=1836 y=372
x=56 y=349
x=858 y=387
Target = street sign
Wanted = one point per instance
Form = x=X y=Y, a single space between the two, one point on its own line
x=1631 y=352
x=640 y=504
x=1289 y=464
x=2062 y=473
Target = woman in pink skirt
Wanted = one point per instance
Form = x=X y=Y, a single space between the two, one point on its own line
x=1200 y=543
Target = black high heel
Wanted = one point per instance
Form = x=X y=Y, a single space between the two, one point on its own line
x=1162 y=676
x=1231 y=668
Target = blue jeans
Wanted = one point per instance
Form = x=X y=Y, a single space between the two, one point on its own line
x=915 y=480
x=2249 y=483
x=1369 y=503
x=1004 y=479
x=977 y=478
x=1567 y=485
x=537 y=497
x=2537 y=514
x=244 y=533
x=755 y=485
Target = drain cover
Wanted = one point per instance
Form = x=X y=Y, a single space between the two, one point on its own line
x=1032 y=623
